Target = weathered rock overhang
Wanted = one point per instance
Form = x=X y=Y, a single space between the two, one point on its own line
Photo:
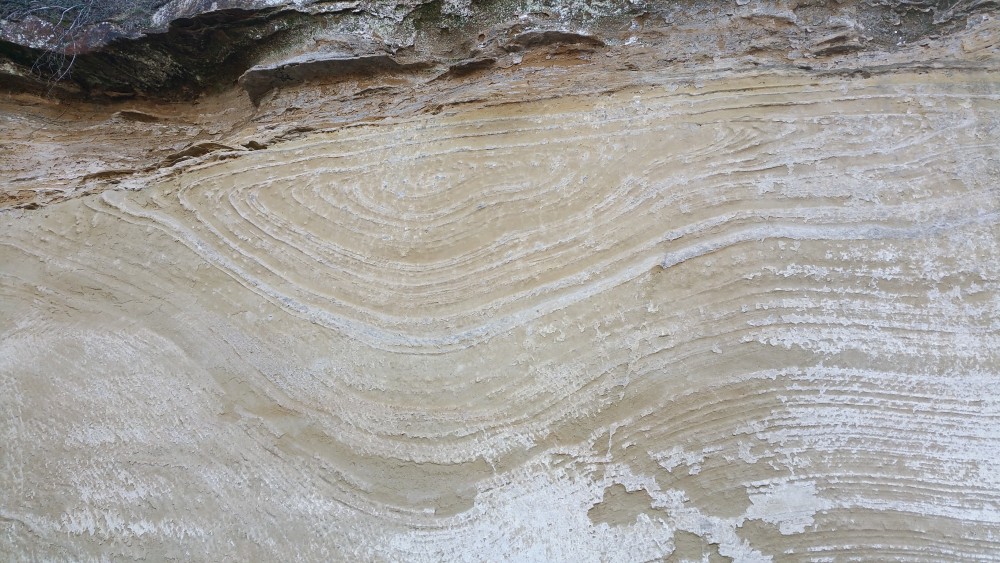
x=190 y=49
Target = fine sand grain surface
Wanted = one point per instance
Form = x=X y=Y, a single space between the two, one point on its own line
x=746 y=314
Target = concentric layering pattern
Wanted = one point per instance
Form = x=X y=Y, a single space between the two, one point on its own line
x=755 y=316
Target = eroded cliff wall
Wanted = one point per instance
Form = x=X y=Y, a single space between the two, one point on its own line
x=459 y=281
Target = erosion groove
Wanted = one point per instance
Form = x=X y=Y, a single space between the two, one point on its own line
x=506 y=309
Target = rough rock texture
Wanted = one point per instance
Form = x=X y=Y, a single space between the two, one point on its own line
x=563 y=282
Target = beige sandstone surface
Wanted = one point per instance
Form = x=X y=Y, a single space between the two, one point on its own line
x=563 y=308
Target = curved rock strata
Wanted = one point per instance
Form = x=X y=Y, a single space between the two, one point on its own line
x=570 y=308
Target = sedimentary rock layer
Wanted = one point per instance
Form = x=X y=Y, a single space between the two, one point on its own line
x=549 y=281
x=752 y=316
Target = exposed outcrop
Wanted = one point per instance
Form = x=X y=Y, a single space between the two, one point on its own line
x=182 y=48
x=555 y=281
x=261 y=79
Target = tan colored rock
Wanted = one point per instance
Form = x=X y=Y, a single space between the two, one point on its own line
x=554 y=309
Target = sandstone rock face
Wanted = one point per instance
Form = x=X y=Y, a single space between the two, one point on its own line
x=569 y=286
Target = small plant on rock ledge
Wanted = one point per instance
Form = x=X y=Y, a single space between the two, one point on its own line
x=64 y=21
